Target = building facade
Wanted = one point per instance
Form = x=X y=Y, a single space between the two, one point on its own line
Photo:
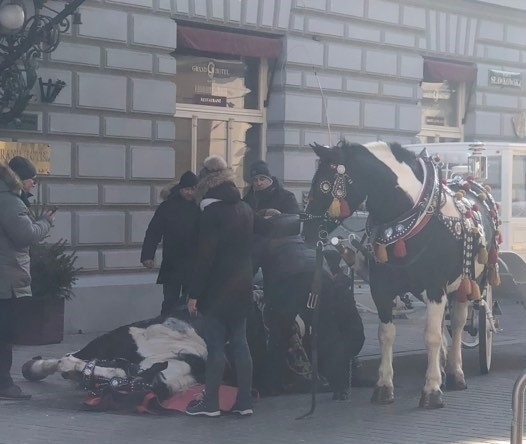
x=154 y=86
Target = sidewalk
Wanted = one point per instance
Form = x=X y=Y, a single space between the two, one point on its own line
x=481 y=414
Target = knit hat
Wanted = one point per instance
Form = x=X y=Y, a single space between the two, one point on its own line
x=188 y=180
x=260 y=168
x=23 y=167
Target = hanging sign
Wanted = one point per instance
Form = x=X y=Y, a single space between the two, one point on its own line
x=38 y=153
x=505 y=78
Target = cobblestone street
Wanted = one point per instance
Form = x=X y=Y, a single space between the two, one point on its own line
x=482 y=414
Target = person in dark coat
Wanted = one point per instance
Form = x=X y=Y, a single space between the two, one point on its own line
x=288 y=267
x=266 y=192
x=221 y=287
x=176 y=222
x=18 y=231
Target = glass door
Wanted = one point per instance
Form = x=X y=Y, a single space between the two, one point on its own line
x=198 y=137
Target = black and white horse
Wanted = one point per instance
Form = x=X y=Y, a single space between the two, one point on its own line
x=424 y=237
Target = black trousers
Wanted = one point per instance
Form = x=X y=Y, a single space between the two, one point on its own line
x=7 y=336
x=174 y=293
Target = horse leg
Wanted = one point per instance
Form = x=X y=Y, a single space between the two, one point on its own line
x=384 y=392
x=431 y=394
x=454 y=374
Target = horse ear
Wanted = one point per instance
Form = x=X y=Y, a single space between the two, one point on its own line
x=323 y=152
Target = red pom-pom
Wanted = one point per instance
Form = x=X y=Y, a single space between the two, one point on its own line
x=475 y=207
x=493 y=214
x=345 y=210
x=493 y=256
x=399 y=249
x=468 y=214
x=444 y=181
x=470 y=178
x=466 y=186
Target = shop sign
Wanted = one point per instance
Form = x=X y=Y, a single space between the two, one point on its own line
x=505 y=78
x=210 y=100
x=435 y=120
x=38 y=153
x=207 y=81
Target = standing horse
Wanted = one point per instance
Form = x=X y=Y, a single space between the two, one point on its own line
x=424 y=237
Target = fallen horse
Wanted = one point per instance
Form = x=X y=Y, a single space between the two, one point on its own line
x=160 y=363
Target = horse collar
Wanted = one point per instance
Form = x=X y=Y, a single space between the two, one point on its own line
x=412 y=221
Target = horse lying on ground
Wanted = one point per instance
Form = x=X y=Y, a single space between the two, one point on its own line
x=424 y=237
x=167 y=356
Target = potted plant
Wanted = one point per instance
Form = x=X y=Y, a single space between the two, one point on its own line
x=53 y=275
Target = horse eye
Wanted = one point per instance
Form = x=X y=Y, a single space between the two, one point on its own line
x=325 y=186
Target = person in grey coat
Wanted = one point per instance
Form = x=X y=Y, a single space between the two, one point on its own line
x=18 y=230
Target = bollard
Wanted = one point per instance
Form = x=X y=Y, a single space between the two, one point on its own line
x=517 y=405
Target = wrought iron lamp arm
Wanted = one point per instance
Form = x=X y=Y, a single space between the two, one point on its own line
x=29 y=41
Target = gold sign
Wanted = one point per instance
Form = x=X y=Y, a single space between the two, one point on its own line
x=38 y=153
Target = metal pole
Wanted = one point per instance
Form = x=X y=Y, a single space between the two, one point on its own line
x=517 y=405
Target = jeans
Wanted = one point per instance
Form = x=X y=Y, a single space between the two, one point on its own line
x=217 y=332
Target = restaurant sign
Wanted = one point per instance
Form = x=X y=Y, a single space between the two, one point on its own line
x=38 y=153
x=505 y=78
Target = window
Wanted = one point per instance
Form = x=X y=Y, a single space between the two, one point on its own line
x=216 y=82
x=446 y=90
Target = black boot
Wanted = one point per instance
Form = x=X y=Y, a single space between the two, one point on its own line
x=8 y=390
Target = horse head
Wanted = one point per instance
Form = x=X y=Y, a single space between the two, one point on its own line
x=386 y=177
x=333 y=192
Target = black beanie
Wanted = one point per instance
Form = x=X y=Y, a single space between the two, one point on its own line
x=260 y=168
x=188 y=180
x=23 y=167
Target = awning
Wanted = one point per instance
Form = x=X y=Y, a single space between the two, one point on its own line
x=227 y=42
x=439 y=70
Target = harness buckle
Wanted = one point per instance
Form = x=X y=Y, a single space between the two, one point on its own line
x=312 y=301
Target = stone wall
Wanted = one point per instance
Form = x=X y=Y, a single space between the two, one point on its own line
x=352 y=65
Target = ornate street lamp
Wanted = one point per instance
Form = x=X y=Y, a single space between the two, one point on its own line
x=28 y=28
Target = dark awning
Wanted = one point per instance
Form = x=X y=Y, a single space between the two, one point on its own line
x=439 y=70
x=227 y=42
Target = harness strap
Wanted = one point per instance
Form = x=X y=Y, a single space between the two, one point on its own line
x=313 y=304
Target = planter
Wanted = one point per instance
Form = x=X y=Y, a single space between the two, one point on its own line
x=38 y=321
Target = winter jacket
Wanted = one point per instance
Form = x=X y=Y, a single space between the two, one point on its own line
x=222 y=277
x=18 y=230
x=176 y=222
x=285 y=254
x=275 y=196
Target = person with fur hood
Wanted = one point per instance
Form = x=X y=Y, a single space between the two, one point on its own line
x=221 y=288
x=266 y=192
x=176 y=222
x=18 y=231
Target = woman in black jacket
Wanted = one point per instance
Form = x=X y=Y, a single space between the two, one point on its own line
x=221 y=287
x=176 y=222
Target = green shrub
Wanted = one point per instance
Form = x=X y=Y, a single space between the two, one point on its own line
x=53 y=270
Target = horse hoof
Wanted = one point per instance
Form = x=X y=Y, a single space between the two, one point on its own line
x=383 y=395
x=341 y=396
x=453 y=383
x=431 y=400
x=29 y=373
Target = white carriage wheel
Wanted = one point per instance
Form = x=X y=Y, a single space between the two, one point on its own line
x=486 y=332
